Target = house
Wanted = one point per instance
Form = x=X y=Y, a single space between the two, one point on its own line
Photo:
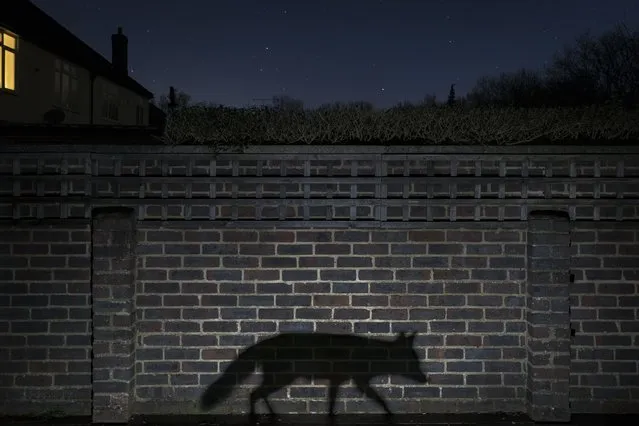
x=48 y=75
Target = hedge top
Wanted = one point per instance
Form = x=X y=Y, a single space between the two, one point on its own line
x=411 y=125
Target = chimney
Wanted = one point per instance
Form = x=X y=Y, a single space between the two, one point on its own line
x=120 y=52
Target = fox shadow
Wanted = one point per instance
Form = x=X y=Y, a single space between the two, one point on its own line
x=336 y=358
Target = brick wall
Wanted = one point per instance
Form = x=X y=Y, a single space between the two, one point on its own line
x=548 y=317
x=45 y=319
x=517 y=267
x=114 y=314
x=604 y=307
x=204 y=294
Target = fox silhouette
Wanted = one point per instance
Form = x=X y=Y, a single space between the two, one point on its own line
x=337 y=358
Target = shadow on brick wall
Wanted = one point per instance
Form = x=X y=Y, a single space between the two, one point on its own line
x=337 y=358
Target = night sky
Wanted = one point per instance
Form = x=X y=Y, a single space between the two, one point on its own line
x=320 y=51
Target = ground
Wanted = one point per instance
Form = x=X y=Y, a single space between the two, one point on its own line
x=341 y=420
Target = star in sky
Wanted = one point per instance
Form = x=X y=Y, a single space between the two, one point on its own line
x=218 y=53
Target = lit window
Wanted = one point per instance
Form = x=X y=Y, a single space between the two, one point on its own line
x=8 y=47
x=66 y=85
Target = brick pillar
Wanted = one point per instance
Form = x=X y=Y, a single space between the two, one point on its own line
x=113 y=289
x=548 y=317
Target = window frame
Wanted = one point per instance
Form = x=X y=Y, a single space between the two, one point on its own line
x=14 y=50
x=110 y=106
x=62 y=68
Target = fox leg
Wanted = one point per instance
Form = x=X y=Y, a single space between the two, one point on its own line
x=332 y=397
x=367 y=389
x=261 y=392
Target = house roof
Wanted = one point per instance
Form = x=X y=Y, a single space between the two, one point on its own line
x=32 y=24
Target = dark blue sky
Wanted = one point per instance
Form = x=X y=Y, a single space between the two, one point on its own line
x=383 y=51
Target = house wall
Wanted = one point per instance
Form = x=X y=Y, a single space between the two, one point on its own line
x=537 y=313
x=128 y=101
x=35 y=93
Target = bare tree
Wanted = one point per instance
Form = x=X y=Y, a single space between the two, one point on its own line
x=604 y=68
x=522 y=87
x=592 y=71
x=463 y=101
x=362 y=105
x=287 y=103
x=430 y=100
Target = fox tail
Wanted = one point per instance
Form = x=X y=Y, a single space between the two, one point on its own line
x=235 y=374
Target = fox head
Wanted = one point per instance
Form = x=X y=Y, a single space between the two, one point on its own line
x=405 y=351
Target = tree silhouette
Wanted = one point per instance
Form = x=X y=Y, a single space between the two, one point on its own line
x=522 y=87
x=451 y=95
x=362 y=105
x=182 y=100
x=600 y=69
x=430 y=100
x=592 y=71
x=287 y=103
